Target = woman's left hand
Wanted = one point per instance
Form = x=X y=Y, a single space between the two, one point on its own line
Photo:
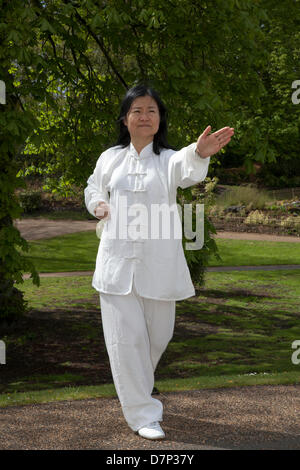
x=209 y=144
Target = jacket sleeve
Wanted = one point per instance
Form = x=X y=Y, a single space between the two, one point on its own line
x=186 y=167
x=96 y=186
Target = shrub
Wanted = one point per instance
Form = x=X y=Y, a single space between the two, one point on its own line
x=291 y=222
x=256 y=217
x=30 y=201
x=248 y=195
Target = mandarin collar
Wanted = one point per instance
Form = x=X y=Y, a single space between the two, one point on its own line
x=145 y=153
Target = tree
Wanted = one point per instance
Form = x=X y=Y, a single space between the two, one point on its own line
x=278 y=116
x=270 y=130
x=15 y=125
x=121 y=43
x=67 y=63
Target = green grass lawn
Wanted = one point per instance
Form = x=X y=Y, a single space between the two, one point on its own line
x=72 y=252
x=77 y=252
x=237 y=330
x=249 y=321
x=238 y=322
x=171 y=385
x=256 y=253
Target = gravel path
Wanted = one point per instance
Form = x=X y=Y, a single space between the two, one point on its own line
x=38 y=228
x=257 y=417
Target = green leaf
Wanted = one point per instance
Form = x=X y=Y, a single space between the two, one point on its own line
x=45 y=26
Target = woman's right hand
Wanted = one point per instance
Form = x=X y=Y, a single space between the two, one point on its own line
x=102 y=210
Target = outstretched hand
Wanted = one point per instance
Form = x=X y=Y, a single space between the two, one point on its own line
x=209 y=144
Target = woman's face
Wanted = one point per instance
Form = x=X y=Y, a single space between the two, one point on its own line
x=142 y=119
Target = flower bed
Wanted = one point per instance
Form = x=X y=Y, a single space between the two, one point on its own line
x=258 y=222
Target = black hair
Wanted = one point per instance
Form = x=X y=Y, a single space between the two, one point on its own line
x=160 y=138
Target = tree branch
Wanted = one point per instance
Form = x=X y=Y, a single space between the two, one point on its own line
x=98 y=40
x=100 y=43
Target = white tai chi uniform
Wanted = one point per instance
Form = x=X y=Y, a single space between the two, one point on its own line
x=140 y=272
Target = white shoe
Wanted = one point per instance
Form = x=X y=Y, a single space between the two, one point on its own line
x=152 y=431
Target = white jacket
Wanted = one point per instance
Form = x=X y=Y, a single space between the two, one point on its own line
x=147 y=181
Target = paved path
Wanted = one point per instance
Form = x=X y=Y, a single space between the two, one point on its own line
x=38 y=228
x=256 y=417
x=257 y=236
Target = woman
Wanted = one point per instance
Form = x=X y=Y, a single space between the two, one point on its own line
x=140 y=276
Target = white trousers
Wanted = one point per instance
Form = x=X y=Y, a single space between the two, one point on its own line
x=136 y=332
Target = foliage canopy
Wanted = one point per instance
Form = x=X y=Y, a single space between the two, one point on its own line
x=66 y=64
